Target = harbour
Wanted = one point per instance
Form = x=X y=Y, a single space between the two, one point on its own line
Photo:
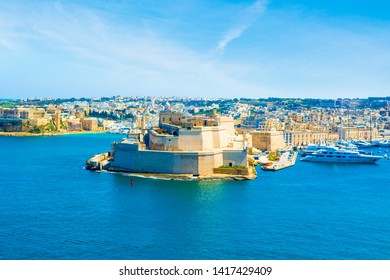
x=58 y=210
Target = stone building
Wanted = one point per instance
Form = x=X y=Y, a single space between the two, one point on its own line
x=301 y=138
x=90 y=124
x=355 y=133
x=198 y=147
x=10 y=124
x=9 y=113
x=270 y=140
x=75 y=125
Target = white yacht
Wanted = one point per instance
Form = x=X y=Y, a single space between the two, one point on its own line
x=334 y=154
x=384 y=143
x=311 y=148
x=361 y=144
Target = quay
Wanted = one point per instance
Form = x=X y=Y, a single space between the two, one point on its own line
x=287 y=159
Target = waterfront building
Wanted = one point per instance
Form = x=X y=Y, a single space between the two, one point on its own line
x=10 y=124
x=267 y=124
x=356 y=133
x=9 y=113
x=300 y=138
x=270 y=140
x=90 y=124
x=74 y=125
x=32 y=113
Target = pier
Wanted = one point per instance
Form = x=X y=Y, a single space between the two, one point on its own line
x=286 y=160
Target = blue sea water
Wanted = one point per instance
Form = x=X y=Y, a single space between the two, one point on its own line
x=52 y=208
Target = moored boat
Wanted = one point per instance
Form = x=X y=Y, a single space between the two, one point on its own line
x=361 y=144
x=337 y=155
x=384 y=143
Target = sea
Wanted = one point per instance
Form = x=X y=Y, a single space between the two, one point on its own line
x=52 y=208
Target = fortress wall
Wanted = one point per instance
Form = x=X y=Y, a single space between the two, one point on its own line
x=144 y=161
x=147 y=161
x=190 y=140
x=187 y=163
x=162 y=142
x=209 y=161
x=201 y=139
x=236 y=157
x=216 y=138
x=228 y=123
x=223 y=137
x=207 y=138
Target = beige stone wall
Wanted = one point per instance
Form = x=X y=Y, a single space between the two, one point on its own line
x=163 y=142
x=208 y=161
x=220 y=137
x=305 y=137
x=228 y=123
x=357 y=133
x=170 y=117
x=190 y=140
x=39 y=121
x=193 y=139
x=90 y=124
x=235 y=158
x=268 y=140
x=207 y=139
x=129 y=157
x=231 y=171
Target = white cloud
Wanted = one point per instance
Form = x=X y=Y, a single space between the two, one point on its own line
x=125 y=59
x=69 y=50
x=247 y=18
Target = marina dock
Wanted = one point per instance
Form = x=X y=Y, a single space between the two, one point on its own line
x=287 y=159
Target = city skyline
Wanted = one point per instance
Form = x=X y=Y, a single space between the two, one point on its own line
x=253 y=49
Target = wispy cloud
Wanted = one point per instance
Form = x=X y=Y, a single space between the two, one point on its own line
x=100 y=56
x=246 y=19
x=69 y=49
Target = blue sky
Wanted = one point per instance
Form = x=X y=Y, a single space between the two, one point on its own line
x=280 y=48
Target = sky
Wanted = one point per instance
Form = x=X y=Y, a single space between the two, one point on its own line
x=195 y=48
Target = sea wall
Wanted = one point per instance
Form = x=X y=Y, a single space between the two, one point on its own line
x=232 y=171
x=128 y=158
x=135 y=158
x=235 y=157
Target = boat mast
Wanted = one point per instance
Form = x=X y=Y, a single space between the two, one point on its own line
x=348 y=123
x=370 y=128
